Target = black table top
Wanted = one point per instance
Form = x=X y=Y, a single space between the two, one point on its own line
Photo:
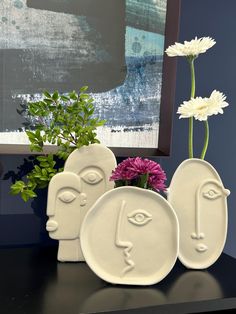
x=33 y=282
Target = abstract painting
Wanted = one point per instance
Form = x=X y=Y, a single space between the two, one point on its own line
x=116 y=47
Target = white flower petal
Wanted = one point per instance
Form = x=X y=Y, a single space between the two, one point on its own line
x=190 y=48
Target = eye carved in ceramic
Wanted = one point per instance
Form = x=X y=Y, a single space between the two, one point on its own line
x=139 y=217
x=91 y=177
x=211 y=190
x=67 y=197
x=212 y=194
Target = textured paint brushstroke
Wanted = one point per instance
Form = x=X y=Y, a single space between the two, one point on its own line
x=133 y=105
x=137 y=12
x=40 y=49
x=24 y=28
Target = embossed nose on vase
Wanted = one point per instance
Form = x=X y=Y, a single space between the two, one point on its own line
x=130 y=236
x=199 y=199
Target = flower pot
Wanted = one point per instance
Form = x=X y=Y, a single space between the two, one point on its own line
x=130 y=236
x=199 y=199
x=72 y=192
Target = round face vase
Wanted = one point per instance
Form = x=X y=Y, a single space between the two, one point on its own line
x=199 y=199
x=130 y=236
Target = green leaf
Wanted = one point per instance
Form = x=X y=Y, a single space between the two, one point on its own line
x=65 y=98
x=42 y=158
x=55 y=95
x=83 y=89
x=24 y=196
x=37 y=168
x=73 y=95
x=17 y=187
x=38 y=135
x=45 y=93
x=30 y=135
x=84 y=96
x=44 y=172
x=143 y=180
x=31 y=193
x=35 y=148
x=48 y=101
x=44 y=164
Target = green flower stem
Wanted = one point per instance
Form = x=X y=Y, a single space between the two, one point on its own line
x=193 y=82
x=146 y=181
x=190 y=138
x=193 y=87
x=206 y=140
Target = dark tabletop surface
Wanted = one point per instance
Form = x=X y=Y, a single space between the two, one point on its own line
x=33 y=282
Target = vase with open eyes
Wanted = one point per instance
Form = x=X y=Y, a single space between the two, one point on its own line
x=72 y=192
x=199 y=199
x=130 y=236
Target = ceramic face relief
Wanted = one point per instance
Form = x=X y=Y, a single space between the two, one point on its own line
x=63 y=207
x=199 y=199
x=130 y=236
x=93 y=164
x=72 y=192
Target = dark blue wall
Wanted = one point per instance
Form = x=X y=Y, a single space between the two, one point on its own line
x=215 y=69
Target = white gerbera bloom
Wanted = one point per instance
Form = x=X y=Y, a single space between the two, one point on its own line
x=190 y=48
x=201 y=108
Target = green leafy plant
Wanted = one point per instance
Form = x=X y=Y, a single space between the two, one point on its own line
x=64 y=120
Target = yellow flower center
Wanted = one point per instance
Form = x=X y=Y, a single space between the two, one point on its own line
x=203 y=107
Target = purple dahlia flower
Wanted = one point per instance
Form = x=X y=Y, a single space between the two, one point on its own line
x=140 y=172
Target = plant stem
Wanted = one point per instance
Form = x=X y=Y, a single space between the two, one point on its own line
x=206 y=140
x=66 y=139
x=146 y=181
x=190 y=138
x=193 y=86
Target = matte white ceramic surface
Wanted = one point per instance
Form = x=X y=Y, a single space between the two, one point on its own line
x=199 y=199
x=72 y=192
x=130 y=236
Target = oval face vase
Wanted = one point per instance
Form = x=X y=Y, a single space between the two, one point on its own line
x=199 y=199
x=130 y=236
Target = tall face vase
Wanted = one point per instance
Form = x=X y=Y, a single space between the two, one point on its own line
x=71 y=193
x=199 y=199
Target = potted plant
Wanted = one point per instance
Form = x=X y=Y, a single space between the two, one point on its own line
x=68 y=122
x=65 y=120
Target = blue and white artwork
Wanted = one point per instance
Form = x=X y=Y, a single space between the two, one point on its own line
x=114 y=46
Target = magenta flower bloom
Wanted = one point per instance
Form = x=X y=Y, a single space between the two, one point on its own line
x=123 y=171
x=140 y=172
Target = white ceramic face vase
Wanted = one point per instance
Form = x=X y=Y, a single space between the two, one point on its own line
x=72 y=192
x=199 y=199
x=130 y=236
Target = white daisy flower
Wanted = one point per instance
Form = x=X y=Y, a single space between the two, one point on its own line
x=190 y=48
x=201 y=108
